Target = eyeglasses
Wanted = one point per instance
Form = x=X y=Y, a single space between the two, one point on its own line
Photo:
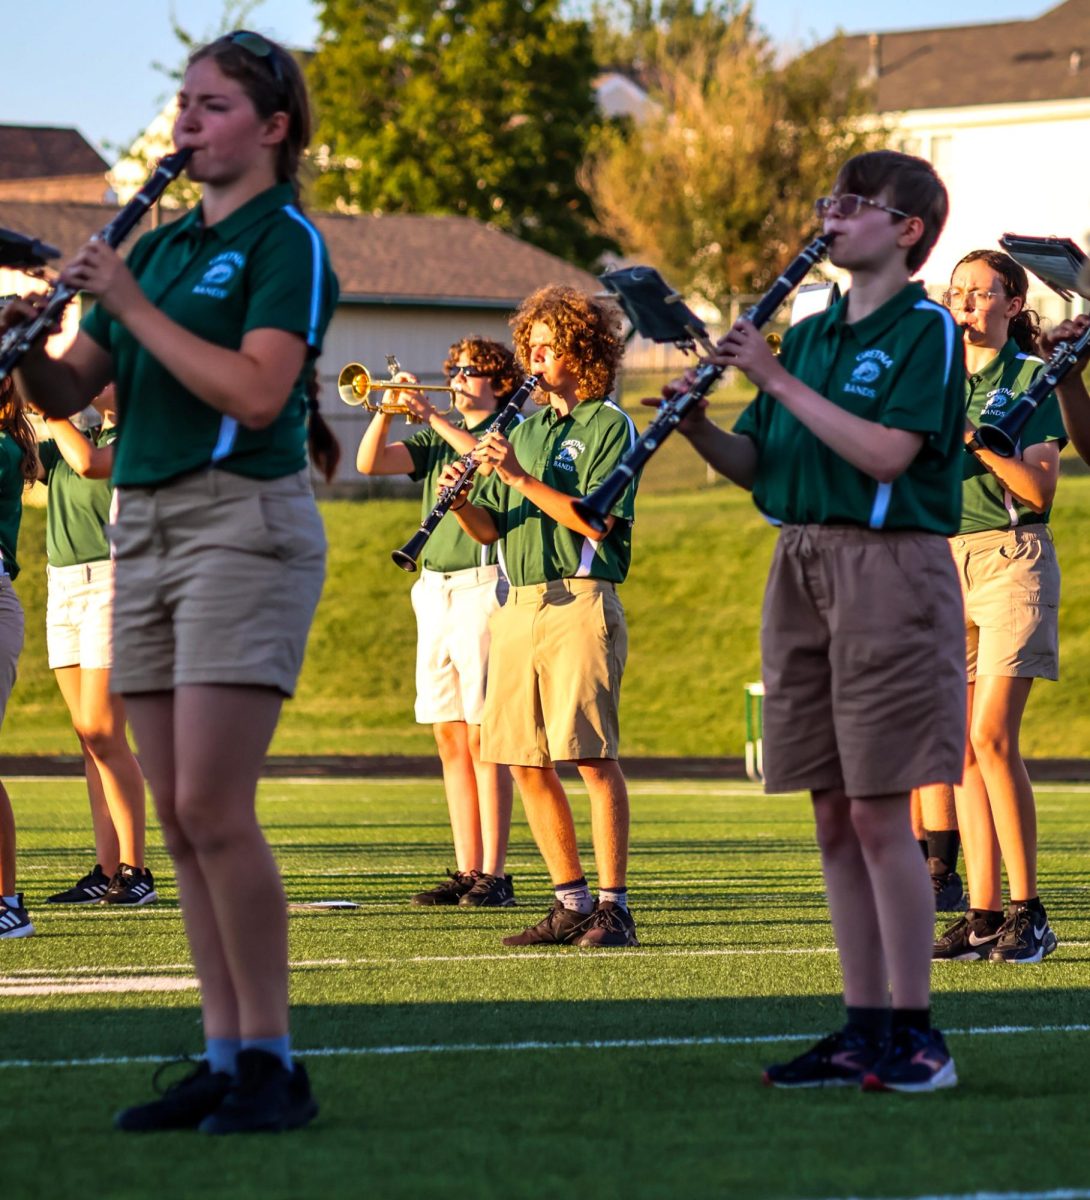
x=848 y=205
x=259 y=47
x=976 y=297
x=468 y=372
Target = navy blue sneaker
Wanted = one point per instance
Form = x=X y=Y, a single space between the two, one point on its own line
x=183 y=1104
x=839 y=1060
x=916 y=1060
x=265 y=1097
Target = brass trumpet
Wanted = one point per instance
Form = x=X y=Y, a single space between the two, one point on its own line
x=355 y=385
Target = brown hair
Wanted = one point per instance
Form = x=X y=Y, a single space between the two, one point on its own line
x=325 y=450
x=274 y=83
x=585 y=332
x=908 y=183
x=1024 y=326
x=13 y=421
x=489 y=356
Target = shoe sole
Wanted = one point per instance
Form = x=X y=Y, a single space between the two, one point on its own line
x=946 y=1077
x=304 y=1117
x=491 y=904
x=86 y=900
x=960 y=958
x=150 y=898
x=1045 y=950
x=21 y=932
x=817 y=1083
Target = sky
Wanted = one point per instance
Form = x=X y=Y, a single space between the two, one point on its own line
x=88 y=63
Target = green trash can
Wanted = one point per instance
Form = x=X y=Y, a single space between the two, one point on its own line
x=754 y=693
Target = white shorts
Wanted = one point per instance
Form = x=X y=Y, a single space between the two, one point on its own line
x=79 y=616
x=452 y=612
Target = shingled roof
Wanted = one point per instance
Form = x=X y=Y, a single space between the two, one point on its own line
x=378 y=259
x=46 y=152
x=1045 y=58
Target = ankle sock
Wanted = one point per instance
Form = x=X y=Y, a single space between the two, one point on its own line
x=278 y=1046
x=873 y=1023
x=922 y=843
x=911 y=1018
x=944 y=844
x=618 y=896
x=575 y=895
x=221 y=1053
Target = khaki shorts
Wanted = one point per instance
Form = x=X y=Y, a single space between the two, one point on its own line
x=1010 y=581
x=554 y=674
x=864 y=672
x=452 y=613
x=79 y=616
x=11 y=640
x=218 y=577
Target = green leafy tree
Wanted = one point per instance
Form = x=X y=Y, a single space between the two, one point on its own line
x=482 y=108
x=716 y=186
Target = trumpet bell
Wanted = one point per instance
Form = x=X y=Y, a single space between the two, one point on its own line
x=354 y=384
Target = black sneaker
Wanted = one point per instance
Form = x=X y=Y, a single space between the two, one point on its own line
x=265 y=1098
x=560 y=927
x=450 y=891
x=15 y=921
x=949 y=892
x=489 y=891
x=970 y=938
x=916 y=1060
x=88 y=890
x=1025 y=937
x=131 y=885
x=181 y=1105
x=610 y=925
x=839 y=1060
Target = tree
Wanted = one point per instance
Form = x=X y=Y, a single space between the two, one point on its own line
x=716 y=187
x=482 y=108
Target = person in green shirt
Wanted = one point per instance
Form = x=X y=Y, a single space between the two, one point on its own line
x=1010 y=582
x=559 y=643
x=75 y=466
x=459 y=587
x=18 y=470
x=1071 y=390
x=210 y=332
x=853 y=448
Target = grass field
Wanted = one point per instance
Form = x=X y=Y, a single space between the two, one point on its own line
x=447 y=1065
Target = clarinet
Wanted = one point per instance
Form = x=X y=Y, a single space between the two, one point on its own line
x=595 y=507
x=1002 y=437
x=408 y=554
x=21 y=338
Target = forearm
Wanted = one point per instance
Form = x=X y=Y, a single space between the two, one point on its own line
x=1075 y=406
x=54 y=386
x=229 y=381
x=455 y=436
x=1031 y=484
x=877 y=451
x=74 y=447
x=375 y=456
x=733 y=455
x=477 y=522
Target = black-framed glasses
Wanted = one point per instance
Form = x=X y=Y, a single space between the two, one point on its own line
x=468 y=372
x=259 y=47
x=977 y=297
x=848 y=205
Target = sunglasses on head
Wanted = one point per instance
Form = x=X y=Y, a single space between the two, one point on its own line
x=259 y=47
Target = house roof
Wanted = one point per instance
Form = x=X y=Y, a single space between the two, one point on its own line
x=1044 y=58
x=379 y=259
x=46 y=152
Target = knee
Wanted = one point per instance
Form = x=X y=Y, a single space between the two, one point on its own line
x=990 y=742
x=103 y=741
x=833 y=826
x=210 y=827
x=450 y=740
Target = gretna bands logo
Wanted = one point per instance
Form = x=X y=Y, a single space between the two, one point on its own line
x=996 y=401
x=869 y=365
x=220 y=274
x=569 y=451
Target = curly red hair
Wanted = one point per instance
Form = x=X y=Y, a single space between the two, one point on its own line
x=586 y=332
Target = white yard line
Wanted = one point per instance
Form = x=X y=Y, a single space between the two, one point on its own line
x=1062 y=1194
x=521 y=1047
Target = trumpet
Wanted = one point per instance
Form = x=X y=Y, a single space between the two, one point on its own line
x=355 y=385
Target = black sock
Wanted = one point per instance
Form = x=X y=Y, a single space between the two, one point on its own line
x=872 y=1023
x=911 y=1018
x=984 y=918
x=944 y=844
x=1033 y=905
x=922 y=843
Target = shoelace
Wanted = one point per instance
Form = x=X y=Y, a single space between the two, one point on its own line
x=609 y=919
x=183 y=1060
x=1015 y=927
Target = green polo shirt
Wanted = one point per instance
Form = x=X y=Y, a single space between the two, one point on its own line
x=986 y=503
x=76 y=508
x=12 y=484
x=449 y=548
x=900 y=366
x=573 y=454
x=263 y=267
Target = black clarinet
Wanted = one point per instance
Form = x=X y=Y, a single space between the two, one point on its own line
x=408 y=554
x=1002 y=437
x=21 y=338
x=595 y=507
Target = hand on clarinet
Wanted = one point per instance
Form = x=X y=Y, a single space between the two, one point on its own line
x=448 y=477
x=101 y=271
x=495 y=452
x=744 y=346
x=696 y=416
x=1066 y=331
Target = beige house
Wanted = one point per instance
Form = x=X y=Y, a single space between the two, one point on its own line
x=1003 y=112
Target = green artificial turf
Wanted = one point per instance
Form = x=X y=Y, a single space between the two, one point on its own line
x=645 y=1077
